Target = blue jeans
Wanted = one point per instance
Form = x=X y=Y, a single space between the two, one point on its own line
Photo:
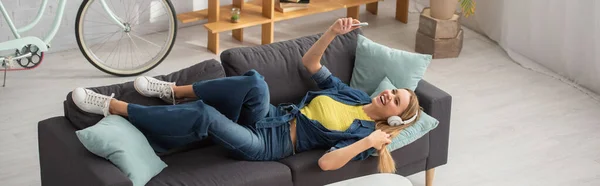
x=234 y=111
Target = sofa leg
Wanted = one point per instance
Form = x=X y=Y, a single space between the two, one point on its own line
x=429 y=177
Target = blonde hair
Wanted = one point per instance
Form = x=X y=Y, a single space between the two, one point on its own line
x=386 y=162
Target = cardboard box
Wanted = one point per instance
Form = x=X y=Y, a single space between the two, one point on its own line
x=439 y=48
x=436 y=28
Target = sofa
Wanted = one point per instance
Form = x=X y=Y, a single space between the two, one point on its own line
x=65 y=161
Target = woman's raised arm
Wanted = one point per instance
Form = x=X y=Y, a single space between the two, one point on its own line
x=312 y=58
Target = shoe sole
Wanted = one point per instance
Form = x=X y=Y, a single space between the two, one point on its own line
x=73 y=99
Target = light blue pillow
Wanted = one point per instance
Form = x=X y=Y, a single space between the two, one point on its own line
x=409 y=134
x=117 y=140
x=385 y=84
x=375 y=61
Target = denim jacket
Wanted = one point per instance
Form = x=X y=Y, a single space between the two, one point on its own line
x=312 y=135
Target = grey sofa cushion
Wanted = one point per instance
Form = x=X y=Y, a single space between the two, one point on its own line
x=211 y=166
x=281 y=64
x=306 y=171
x=209 y=69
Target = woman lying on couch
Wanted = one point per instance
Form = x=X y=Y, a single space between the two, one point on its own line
x=236 y=113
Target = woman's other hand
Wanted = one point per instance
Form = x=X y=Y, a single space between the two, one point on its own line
x=343 y=26
x=378 y=139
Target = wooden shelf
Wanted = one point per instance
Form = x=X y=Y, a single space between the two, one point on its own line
x=353 y=3
x=314 y=7
x=251 y=15
x=194 y=16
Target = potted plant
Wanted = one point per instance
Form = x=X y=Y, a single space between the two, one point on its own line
x=444 y=9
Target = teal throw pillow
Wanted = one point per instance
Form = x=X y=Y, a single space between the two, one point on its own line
x=410 y=134
x=116 y=139
x=375 y=61
x=385 y=84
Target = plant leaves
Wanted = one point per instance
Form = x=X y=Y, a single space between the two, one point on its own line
x=468 y=7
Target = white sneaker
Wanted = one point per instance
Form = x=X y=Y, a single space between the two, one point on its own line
x=152 y=87
x=92 y=102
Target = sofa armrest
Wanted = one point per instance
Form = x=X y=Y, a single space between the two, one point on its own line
x=65 y=161
x=437 y=104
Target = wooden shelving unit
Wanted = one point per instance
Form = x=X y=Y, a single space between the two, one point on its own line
x=315 y=7
x=251 y=15
x=262 y=12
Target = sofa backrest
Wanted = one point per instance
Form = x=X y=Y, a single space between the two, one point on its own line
x=281 y=64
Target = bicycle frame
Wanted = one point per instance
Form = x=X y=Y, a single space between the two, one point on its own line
x=57 y=20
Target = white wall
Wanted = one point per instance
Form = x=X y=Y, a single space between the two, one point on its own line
x=24 y=11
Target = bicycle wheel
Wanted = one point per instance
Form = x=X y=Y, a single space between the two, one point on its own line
x=149 y=32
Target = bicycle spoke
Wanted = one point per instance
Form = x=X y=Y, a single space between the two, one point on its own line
x=110 y=6
x=101 y=36
x=130 y=53
x=126 y=12
x=104 y=39
x=167 y=19
x=113 y=33
x=109 y=48
x=134 y=52
x=119 y=51
x=151 y=30
x=146 y=40
x=135 y=44
x=104 y=42
x=155 y=34
x=154 y=39
x=142 y=13
x=146 y=50
x=98 y=22
x=96 y=33
x=102 y=25
x=138 y=51
x=103 y=16
x=148 y=20
x=136 y=3
x=149 y=7
x=113 y=49
x=157 y=38
x=101 y=22
x=161 y=38
x=116 y=51
x=131 y=10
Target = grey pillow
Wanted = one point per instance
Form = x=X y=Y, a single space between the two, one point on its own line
x=281 y=64
x=209 y=69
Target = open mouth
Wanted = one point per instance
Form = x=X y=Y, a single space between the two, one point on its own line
x=382 y=99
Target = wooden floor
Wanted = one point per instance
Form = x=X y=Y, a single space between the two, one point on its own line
x=510 y=126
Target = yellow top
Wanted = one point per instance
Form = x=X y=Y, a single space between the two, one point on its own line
x=332 y=114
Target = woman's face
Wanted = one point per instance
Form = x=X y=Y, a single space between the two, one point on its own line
x=391 y=102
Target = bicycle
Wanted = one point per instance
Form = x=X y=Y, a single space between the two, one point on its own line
x=130 y=21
